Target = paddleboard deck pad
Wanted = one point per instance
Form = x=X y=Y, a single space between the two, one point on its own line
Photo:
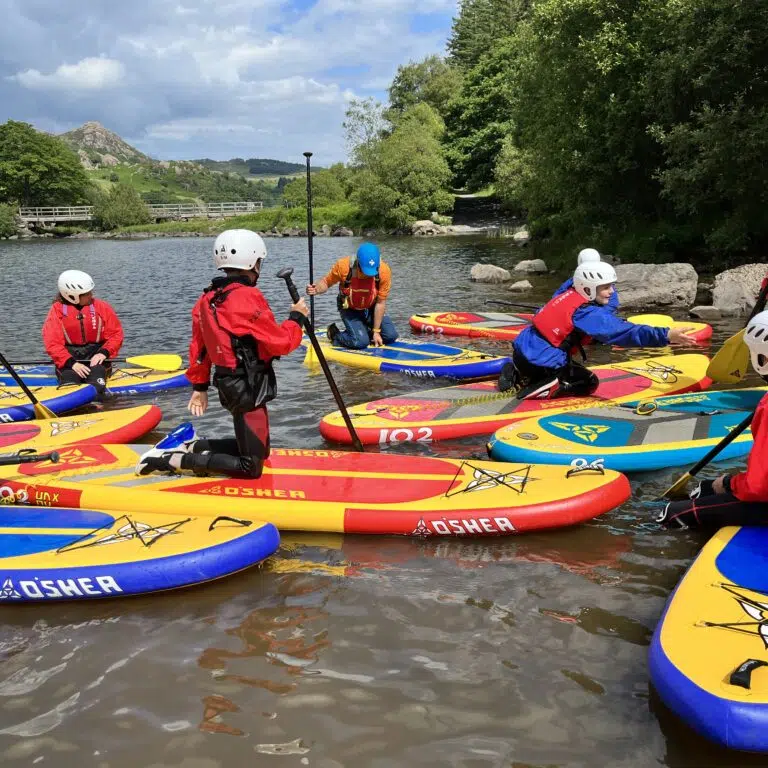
x=655 y=434
x=125 y=379
x=123 y=425
x=16 y=406
x=507 y=326
x=331 y=491
x=480 y=409
x=81 y=554
x=709 y=658
x=422 y=359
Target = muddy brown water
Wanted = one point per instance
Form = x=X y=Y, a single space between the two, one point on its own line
x=345 y=650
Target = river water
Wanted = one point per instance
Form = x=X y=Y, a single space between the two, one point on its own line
x=344 y=651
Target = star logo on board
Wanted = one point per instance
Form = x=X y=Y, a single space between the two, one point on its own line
x=759 y=612
x=8 y=591
x=146 y=533
x=62 y=427
x=74 y=457
x=421 y=529
x=485 y=479
x=754 y=608
x=586 y=432
x=402 y=411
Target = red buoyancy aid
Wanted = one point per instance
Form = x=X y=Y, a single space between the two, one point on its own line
x=219 y=343
x=358 y=291
x=80 y=325
x=554 y=321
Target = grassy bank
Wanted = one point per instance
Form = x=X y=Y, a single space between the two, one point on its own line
x=339 y=215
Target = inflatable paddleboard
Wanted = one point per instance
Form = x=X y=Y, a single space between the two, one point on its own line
x=80 y=554
x=421 y=359
x=709 y=653
x=15 y=405
x=480 y=409
x=503 y=325
x=125 y=379
x=122 y=425
x=331 y=491
x=663 y=432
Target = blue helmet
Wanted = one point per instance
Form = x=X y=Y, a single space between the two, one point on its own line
x=368 y=259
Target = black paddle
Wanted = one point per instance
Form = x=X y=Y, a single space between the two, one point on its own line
x=27 y=456
x=677 y=489
x=41 y=411
x=285 y=274
x=512 y=304
x=310 y=236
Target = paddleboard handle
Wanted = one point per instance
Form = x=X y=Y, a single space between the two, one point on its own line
x=285 y=274
x=28 y=456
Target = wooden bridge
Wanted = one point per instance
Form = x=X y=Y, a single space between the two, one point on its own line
x=179 y=211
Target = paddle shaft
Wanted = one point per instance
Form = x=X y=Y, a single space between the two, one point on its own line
x=512 y=304
x=87 y=362
x=28 y=458
x=727 y=440
x=285 y=274
x=40 y=409
x=310 y=239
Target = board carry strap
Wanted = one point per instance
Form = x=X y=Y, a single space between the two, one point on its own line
x=742 y=675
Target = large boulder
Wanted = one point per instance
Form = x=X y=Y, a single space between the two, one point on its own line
x=736 y=290
x=531 y=265
x=426 y=228
x=657 y=285
x=342 y=232
x=521 y=236
x=489 y=273
x=521 y=286
x=705 y=313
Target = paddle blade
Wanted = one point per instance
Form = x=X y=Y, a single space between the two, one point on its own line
x=310 y=359
x=156 y=362
x=731 y=362
x=43 y=412
x=678 y=490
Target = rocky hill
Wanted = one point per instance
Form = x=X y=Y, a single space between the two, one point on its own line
x=98 y=147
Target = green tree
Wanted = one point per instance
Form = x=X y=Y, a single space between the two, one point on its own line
x=406 y=175
x=7 y=220
x=480 y=24
x=364 y=124
x=432 y=81
x=120 y=207
x=38 y=169
x=326 y=189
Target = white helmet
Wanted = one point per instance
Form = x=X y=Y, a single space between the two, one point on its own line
x=73 y=284
x=238 y=249
x=588 y=254
x=756 y=338
x=590 y=276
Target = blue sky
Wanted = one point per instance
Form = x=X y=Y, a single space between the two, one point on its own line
x=183 y=79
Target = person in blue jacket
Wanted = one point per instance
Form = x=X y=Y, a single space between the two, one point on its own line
x=589 y=255
x=542 y=366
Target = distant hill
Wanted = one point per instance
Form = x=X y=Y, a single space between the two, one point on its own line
x=98 y=147
x=254 y=166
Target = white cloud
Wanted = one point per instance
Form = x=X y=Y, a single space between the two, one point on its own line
x=89 y=74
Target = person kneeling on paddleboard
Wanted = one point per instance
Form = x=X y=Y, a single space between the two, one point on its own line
x=588 y=255
x=362 y=299
x=233 y=329
x=81 y=333
x=542 y=367
x=741 y=498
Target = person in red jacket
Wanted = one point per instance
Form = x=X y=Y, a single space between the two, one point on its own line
x=81 y=333
x=740 y=498
x=235 y=333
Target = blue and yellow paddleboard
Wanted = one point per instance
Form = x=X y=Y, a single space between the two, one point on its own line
x=421 y=359
x=633 y=437
x=709 y=654
x=16 y=406
x=49 y=554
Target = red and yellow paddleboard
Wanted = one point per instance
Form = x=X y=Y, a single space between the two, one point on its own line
x=507 y=326
x=480 y=409
x=123 y=425
x=332 y=491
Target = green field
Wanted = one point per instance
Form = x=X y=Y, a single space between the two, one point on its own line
x=135 y=176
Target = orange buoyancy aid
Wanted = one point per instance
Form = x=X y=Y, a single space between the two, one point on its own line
x=554 y=321
x=358 y=291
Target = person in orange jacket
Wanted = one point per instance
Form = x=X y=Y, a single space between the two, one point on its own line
x=233 y=329
x=740 y=498
x=81 y=333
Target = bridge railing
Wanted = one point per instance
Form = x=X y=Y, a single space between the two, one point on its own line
x=40 y=214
